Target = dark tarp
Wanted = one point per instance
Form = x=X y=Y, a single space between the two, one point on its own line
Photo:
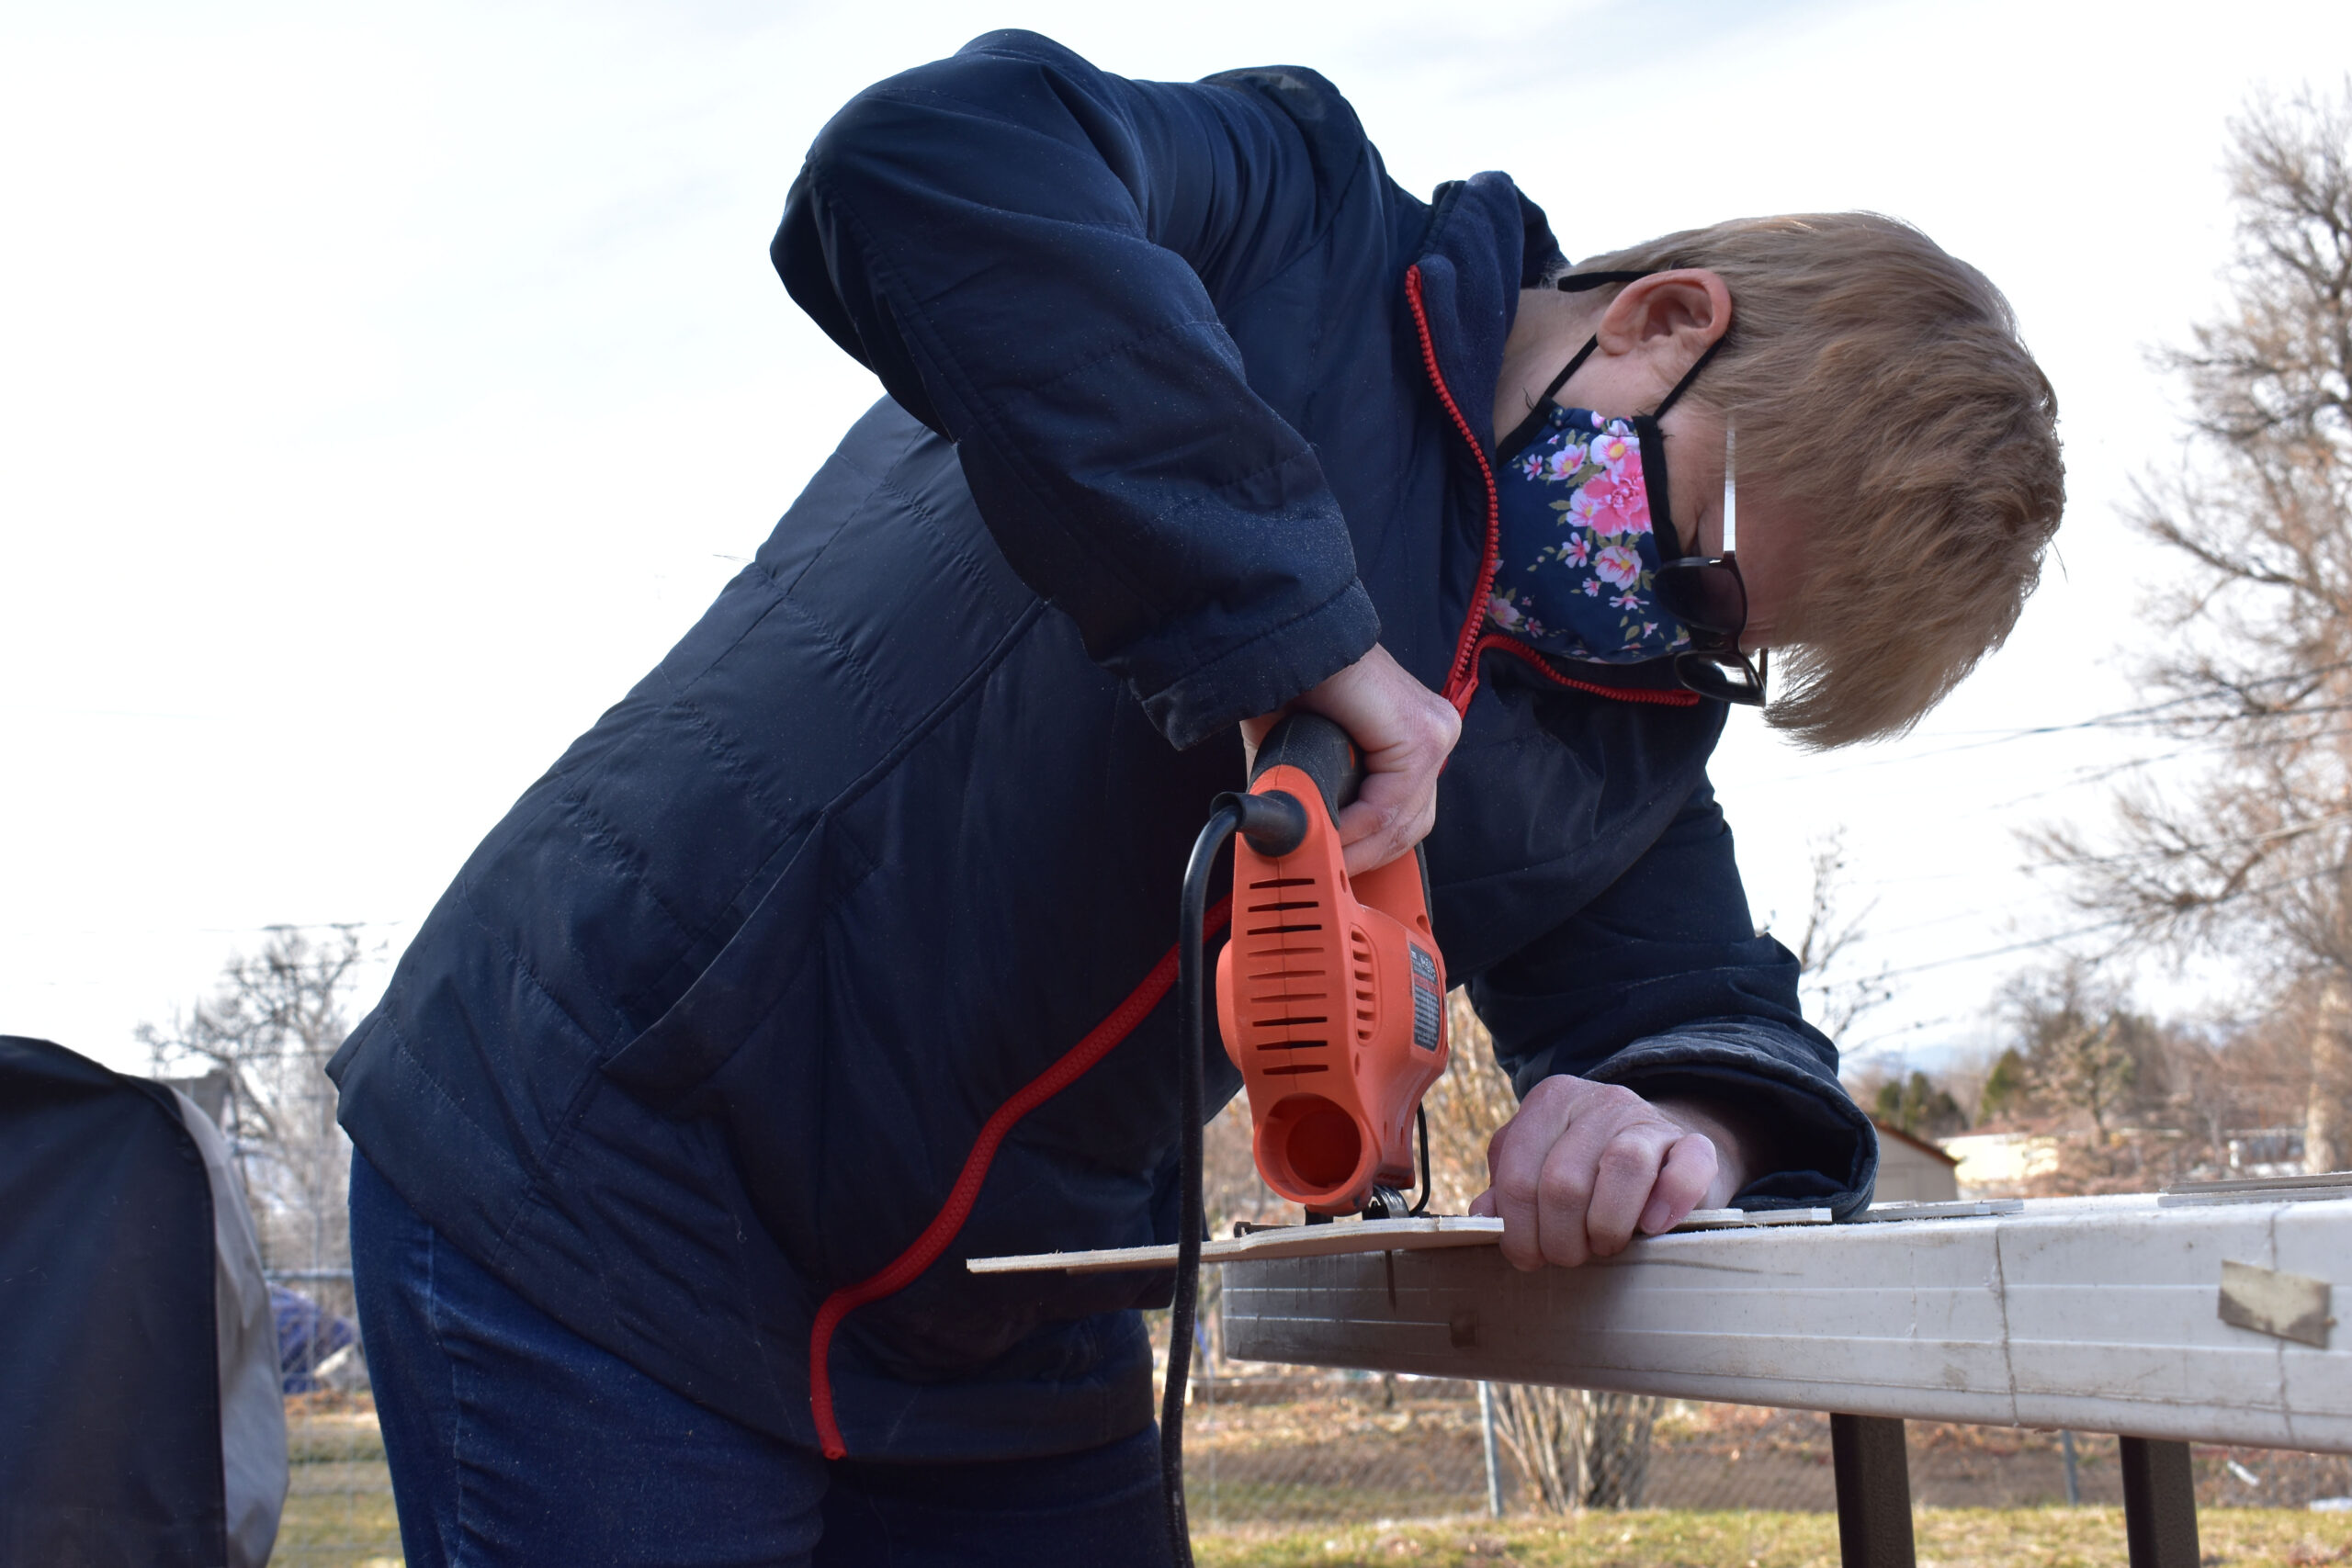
x=309 y=1338
x=111 y=1436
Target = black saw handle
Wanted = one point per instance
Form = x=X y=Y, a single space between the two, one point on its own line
x=1318 y=748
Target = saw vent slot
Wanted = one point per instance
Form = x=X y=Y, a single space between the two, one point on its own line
x=1360 y=986
x=1290 y=976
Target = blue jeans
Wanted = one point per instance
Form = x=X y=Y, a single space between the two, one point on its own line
x=514 y=1440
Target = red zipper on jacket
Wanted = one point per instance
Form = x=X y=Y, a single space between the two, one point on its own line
x=1675 y=698
x=905 y=1268
x=1462 y=675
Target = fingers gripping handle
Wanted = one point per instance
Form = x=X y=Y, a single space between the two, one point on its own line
x=1320 y=750
x=1323 y=751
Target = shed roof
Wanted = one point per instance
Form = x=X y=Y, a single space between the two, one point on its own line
x=1887 y=1130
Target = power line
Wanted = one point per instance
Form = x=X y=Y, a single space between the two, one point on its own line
x=2003 y=951
x=1873 y=1042
x=2290 y=831
x=2098 y=772
x=2055 y=938
x=2145 y=717
x=23 y=932
x=2134 y=717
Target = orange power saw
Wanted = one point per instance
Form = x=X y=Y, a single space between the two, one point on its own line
x=1331 y=992
x=1331 y=998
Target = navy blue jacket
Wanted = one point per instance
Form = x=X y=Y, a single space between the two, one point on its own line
x=1187 y=407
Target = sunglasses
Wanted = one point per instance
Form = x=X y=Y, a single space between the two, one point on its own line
x=1707 y=594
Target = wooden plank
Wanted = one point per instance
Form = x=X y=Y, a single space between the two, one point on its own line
x=1373 y=1236
x=1346 y=1236
x=1748 y=1218
x=2098 y=1313
x=2328 y=1184
x=1950 y=1209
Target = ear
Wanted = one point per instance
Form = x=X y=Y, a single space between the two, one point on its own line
x=1667 y=318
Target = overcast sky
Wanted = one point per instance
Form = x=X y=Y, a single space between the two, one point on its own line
x=382 y=391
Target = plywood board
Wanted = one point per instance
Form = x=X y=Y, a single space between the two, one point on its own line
x=1342 y=1237
x=1284 y=1241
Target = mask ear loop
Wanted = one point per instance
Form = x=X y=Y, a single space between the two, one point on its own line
x=1577 y=282
x=1653 y=438
x=1688 y=377
x=1523 y=434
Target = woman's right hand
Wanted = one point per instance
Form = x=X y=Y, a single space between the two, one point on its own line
x=1405 y=731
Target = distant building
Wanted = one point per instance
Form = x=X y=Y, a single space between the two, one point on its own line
x=2001 y=1163
x=211 y=1093
x=2265 y=1151
x=1912 y=1171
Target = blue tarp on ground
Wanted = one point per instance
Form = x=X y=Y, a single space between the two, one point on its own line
x=307 y=1335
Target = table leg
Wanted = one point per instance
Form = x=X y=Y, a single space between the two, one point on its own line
x=2159 y=1504
x=1873 y=1492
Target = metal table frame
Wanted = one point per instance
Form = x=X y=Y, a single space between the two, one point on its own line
x=2096 y=1315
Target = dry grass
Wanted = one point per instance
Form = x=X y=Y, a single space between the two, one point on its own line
x=1314 y=1464
x=339 y=1496
x=1947 y=1538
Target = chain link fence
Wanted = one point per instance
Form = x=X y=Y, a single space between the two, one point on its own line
x=339 y=1494
x=1268 y=1447
x=1272 y=1447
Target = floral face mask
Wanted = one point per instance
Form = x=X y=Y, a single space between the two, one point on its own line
x=1578 y=553
x=1584 y=524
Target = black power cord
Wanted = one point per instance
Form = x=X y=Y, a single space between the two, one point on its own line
x=1276 y=824
x=1421 y=1122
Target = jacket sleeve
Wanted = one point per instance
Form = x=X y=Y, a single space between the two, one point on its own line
x=1030 y=254
x=1663 y=986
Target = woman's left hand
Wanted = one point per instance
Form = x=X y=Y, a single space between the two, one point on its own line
x=1583 y=1166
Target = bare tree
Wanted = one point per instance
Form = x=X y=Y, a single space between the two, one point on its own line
x=2077 y=1037
x=1834 y=999
x=2253 y=856
x=2218 y=1089
x=270 y=1025
x=1574 y=1448
x=2129 y=1099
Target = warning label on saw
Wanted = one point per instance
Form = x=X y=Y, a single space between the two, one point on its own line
x=1429 y=1002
